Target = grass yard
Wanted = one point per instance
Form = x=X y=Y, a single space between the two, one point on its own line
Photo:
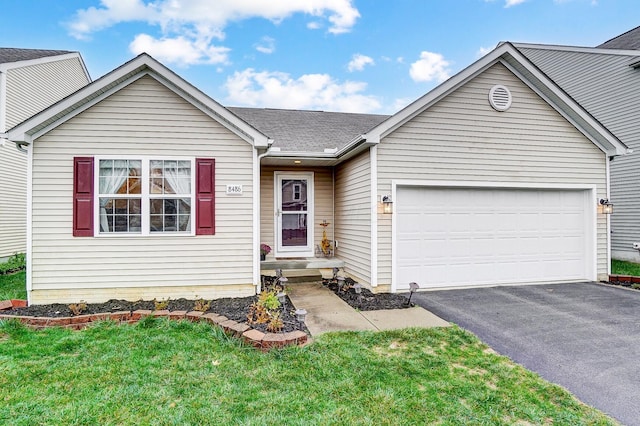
x=13 y=286
x=168 y=372
x=621 y=267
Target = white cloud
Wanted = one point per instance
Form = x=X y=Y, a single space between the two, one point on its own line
x=267 y=45
x=309 y=91
x=314 y=25
x=483 y=51
x=509 y=3
x=401 y=103
x=174 y=15
x=180 y=50
x=358 y=62
x=192 y=23
x=431 y=66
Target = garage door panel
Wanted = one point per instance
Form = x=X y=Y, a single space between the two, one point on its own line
x=478 y=236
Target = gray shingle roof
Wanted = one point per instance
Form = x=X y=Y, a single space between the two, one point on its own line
x=308 y=131
x=10 y=54
x=629 y=40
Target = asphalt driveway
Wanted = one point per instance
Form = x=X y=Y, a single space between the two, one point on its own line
x=583 y=336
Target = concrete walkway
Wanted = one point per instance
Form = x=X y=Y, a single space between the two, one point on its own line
x=327 y=312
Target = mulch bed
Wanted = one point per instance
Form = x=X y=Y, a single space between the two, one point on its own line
x=366 y=300
x=234 y=308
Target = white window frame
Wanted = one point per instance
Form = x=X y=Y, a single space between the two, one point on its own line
x=145 y=197
x=297 y=192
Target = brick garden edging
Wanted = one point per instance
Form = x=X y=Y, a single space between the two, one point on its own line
x=624 y=279
x=255 y=338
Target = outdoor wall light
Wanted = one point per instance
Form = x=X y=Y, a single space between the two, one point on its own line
x=301 y=314
x=387 y=204
x=607 y=207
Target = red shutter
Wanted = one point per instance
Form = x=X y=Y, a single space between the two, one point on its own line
x=205 y=196
x=83 y=197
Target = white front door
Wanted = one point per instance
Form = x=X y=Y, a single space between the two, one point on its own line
x=294 y=214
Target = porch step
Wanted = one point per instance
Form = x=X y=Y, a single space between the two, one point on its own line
x=304 y=263
x=302 y=270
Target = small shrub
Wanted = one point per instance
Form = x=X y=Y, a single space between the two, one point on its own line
x=275 y=323
x=201 y=305
x=269 y=300
x=635 y=286
x=78 y=308
x=264 y=310
x=17 y=262
x=161 y=305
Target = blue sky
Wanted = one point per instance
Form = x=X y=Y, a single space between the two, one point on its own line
x=371 y=56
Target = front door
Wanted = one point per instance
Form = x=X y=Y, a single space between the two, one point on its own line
x=294 y=214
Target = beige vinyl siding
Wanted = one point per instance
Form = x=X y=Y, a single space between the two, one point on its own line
x=323 y=203
x=461 y=138
x=28 y=90
x=13 y=202
x=353 y=216
x=144 y=118
x=32 y=88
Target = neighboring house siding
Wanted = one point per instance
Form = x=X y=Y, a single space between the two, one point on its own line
x=13 y=202
x=28 y=90
x=144 y=118
x=323 y=203
x=353 y=216
x=32 y=88
x=607 y=87
x=461 y=138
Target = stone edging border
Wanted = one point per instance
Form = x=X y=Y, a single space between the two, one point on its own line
x=256 y=338
x=624 y=279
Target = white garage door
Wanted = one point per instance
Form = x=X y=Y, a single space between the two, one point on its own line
x=447 y=237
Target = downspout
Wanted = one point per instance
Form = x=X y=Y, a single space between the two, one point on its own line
x=19 y=146
x=608 y=161
x=256 y=217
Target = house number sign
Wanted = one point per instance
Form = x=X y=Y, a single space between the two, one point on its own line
x=234 y=189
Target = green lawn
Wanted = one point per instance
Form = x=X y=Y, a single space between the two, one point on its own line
x=13 y=286
x=164 y=372
x=620 y=267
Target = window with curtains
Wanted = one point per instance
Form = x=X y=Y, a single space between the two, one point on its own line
x=145 y=196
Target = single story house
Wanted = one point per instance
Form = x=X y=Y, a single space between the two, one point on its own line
x=141 y=186
x=30 y=80
x=606 y=82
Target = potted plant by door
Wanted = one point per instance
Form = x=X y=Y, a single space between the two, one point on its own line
x=264 y=251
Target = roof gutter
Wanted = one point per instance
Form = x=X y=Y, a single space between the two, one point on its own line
x=348 y=147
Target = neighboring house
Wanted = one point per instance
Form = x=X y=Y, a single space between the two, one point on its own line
x=30 y=80
x=605 y=81
x=143 y=187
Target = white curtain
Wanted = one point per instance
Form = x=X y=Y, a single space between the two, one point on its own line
x=179 y=179
x=113 y=173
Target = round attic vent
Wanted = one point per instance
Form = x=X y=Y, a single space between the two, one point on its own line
x=500 y=97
